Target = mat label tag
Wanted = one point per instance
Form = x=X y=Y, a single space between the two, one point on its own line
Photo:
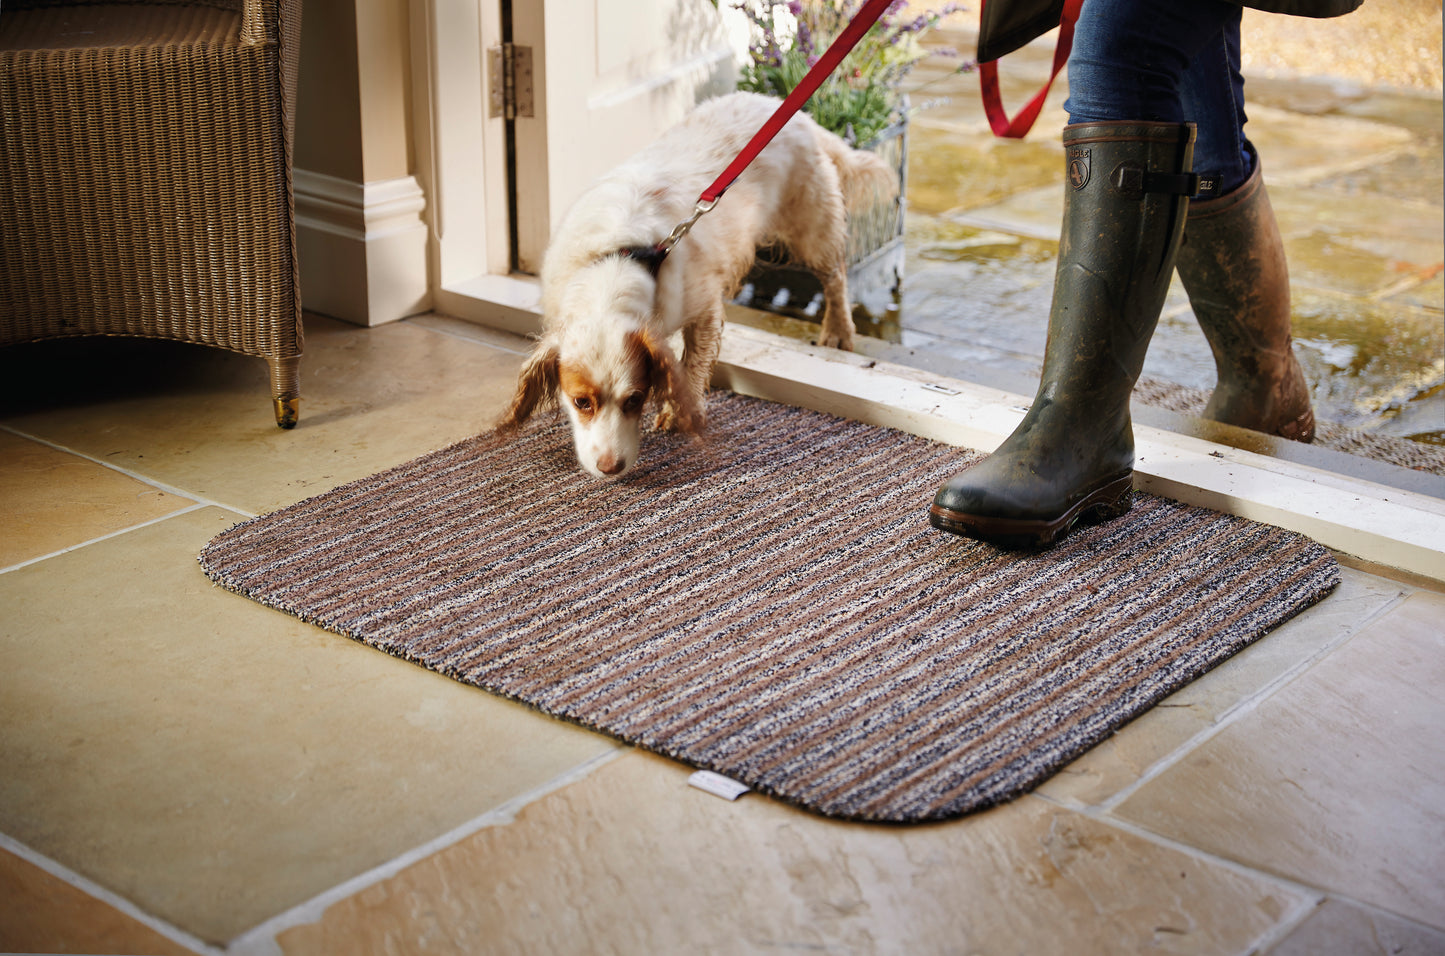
x=718 y=785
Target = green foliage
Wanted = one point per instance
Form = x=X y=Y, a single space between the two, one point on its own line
x=864 y=95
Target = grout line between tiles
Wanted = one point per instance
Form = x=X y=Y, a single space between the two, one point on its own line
x=471 y=332
x=1310 y=896
x=1240 y=709
x=199 y=506
x=134 y=475
x=260 y=940
x=1404 y=285
x=98 y=892
x=1315 y=896
x=1279 y=932
x=1311 y=176
x=1273 y=937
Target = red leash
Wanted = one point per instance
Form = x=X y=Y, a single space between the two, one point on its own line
x=794 y=101
x=847 y=40
x=1019 y=126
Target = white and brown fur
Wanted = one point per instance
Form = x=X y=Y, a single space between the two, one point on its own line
x=607 y=323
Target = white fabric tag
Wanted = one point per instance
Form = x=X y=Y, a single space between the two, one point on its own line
x=717 y=785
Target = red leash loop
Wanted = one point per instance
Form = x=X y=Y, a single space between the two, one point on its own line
x=1019 y=126
x=794 y=101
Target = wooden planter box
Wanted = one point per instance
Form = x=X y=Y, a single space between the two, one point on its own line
x=875 y=261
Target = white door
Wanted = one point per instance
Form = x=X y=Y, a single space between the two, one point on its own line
x=608 y=76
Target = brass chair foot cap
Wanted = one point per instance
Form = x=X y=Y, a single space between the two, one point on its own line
x=288 y=412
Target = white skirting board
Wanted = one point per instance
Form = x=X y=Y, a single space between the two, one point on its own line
x=362 y=247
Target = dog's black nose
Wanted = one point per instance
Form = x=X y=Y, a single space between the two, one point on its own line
x=611 y=465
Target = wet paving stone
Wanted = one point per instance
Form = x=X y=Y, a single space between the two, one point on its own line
x=1298 y=147
x=1372 y=364
x=1357 y=182
x=1365 y=245
x=1356 y=179
x=949 y=172
x=1414 y=176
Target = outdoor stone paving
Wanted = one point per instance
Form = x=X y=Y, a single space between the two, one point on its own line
x=1355 y=176
x=1356 y=180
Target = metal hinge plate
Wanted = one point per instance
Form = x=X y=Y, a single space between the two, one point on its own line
x=509 y=81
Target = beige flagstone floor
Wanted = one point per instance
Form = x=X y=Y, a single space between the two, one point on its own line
x=185 y=770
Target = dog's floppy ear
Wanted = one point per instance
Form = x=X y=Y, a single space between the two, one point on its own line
x=536 y=385
x=668 y=381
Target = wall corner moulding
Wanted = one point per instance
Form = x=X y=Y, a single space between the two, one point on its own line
x=362 y=247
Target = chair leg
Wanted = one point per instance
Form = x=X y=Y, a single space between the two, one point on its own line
x=286 y=389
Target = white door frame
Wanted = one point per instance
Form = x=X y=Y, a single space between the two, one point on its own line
x=461 y=163
x=461 y=153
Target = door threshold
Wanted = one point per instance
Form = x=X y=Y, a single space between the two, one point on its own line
x=1374 y=523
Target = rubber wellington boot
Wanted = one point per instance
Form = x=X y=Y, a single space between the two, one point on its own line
x=1233 y=267
x=1072 y=456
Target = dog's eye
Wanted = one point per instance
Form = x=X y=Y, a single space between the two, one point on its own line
x=633 y=403
x=583 y=403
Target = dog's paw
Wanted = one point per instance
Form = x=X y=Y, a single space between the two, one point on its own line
x=670 y=418
x=667 y=419
x=836 y=339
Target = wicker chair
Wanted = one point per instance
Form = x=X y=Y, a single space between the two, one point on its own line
x=145 y=176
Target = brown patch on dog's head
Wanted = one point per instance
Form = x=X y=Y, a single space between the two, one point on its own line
x=666 y=380
x=577 y=387
x=536 y=385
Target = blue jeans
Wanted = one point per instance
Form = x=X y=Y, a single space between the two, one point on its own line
x=1172 y=61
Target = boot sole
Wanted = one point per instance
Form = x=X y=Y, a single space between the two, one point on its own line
x=1110 y=501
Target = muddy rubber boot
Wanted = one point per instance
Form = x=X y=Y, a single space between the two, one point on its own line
x=1233 y=267
x=1072 y=457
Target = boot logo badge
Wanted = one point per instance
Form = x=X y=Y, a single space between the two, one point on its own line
x=1078 y=167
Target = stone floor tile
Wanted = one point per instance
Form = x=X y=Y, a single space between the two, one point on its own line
x=1299 y=148
x=1336 y=240
x=42 y=913
x=54 y=500
x=1426 y=294
x=200 y=419
x=1367 y=358
x=1414 y=174
x=1339 y=928
x=1337 y=780
x=217 y=762
x=633 y=860
x=1417 y=111
x=1037 y=213
x=1120 y=761
x=948 y=173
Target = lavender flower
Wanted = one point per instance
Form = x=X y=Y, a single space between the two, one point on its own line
x=864 y=95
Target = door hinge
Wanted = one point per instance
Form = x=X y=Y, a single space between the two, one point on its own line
x=509 y=80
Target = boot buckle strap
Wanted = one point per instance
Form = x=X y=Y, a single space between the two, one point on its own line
x=1134 y=182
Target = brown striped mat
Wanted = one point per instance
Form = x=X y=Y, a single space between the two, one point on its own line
x=774 y=606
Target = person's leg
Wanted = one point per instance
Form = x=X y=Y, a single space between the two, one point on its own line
x=1211 y=94
x=1072 y=456
x=1130 y=57
x=1128 y=153
x=1232 y=261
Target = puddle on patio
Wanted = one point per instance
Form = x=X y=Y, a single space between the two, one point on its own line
x=1375 y=364
x=1355 y=177
x=1367 y=306
x=976 y=299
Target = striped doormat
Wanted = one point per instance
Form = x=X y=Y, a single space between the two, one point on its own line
x=774 y=606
